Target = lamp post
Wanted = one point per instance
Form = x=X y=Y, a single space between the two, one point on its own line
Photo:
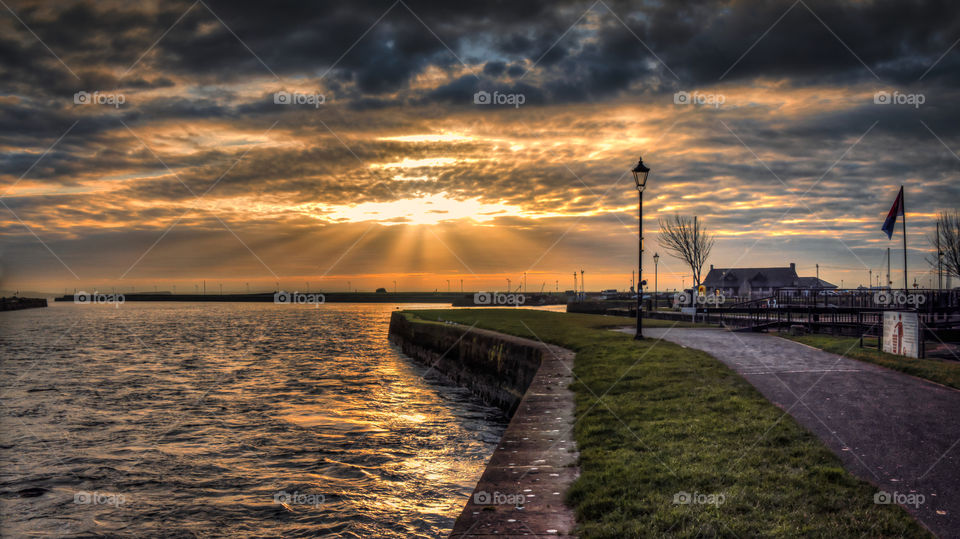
x=640 y=173
x=656 y=262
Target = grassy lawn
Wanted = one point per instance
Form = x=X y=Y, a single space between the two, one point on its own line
x=676 y=420
x=941 y=371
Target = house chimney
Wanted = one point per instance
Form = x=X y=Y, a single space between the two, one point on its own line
x=793 y=266
x=711 y=267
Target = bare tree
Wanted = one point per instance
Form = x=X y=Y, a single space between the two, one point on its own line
x=949 y=242
x=686 y=239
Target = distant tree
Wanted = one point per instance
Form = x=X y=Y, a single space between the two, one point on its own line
x=686 y=239
x=381 y=291
x=949 y=242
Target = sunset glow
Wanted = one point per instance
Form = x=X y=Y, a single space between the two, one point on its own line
x=199 y=156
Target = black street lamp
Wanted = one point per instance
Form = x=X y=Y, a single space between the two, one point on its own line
x=656 y=261
x=640 y=173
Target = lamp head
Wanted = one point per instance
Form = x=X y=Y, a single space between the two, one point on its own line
x=640 y=173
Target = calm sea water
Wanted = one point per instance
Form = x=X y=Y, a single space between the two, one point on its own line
x=200 y=420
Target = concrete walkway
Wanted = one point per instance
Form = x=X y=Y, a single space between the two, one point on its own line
x=520 y=493
x=898 y=432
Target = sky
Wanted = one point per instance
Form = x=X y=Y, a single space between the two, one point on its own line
x=351 y=145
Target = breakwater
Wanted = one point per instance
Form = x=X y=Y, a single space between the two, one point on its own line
x=498 y=370
x=14 y=304
x=522 y=488
x=282 y=297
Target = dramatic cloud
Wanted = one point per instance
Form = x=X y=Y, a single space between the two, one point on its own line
x=253 y=142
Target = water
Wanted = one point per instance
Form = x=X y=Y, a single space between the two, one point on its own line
x=181 y=419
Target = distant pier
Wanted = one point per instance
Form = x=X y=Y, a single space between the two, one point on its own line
x=460 y=299
x=15 y=303
x=275 y=297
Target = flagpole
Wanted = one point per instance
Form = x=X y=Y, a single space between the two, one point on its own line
x=939 y=259
x=903 y=205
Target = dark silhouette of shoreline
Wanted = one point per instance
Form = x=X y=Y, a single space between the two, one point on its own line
x=17 y=303
x=271 y=297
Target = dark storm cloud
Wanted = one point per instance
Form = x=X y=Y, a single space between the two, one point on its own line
x=697 y=41
x=615 y=49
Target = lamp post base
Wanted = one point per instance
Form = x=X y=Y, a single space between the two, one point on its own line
x=638 y=334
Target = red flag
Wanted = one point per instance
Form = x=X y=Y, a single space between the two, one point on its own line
x=895 y=210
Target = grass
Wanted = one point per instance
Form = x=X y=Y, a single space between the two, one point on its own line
x=672 y=420
x=940 y=371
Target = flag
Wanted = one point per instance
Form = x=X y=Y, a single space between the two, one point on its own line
x=895 y=210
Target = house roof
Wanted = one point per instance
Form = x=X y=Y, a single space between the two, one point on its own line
x=813 y=282
x=765 y=277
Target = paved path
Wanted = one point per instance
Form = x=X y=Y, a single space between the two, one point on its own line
x=898 y=432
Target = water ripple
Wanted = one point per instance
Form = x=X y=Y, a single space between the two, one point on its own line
x=228 y=420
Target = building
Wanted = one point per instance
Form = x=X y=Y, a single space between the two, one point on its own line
x=758 y=282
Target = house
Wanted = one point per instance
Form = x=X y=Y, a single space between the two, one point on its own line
x=758 y=282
